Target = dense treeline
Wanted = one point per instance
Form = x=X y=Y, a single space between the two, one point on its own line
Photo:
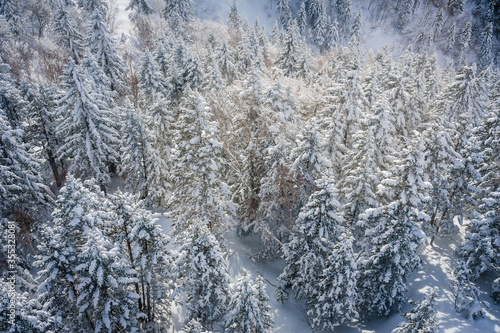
x=344 y=161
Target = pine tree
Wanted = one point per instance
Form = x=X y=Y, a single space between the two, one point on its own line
x=11 y=101
x=226 y=62
x=306 y=157
x=285 y=15
x=193 y=326
x=486 y=46
x=68 y=35
x=144 y=246
x=103 y=280
x=387 y=259
x=464 y=42
x=141 y=7
x=440 y=155
x=136 y=154
x=335 y=302
x=253 y=139
x=290 y=57
x=392 y=236
x=28 y=315
x=360 y=177
x=466 y=293
x=316 y=230
x=21 y=184
x=343 y=11
x=302 y=19
x=320 y=30
x=87 y=124
x=404 y=11
x=197 y=162
x=42 y=127
x=203 y=274
x=77 y=212
x=248 y=311
x=178 y=13
x=234 y=23
x=151 y=81
x=315 y=9
x=422 y=318
x=103 y=47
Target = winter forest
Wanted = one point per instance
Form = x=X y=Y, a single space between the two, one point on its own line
x=250 y=166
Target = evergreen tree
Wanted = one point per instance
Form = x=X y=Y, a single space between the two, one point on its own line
x=29 y=316
x=315 y=9
x=440 y=156
x=343 y=11
x=203 y=274
x=285 y=15
x=194 y=326
x=137 y=153
x=316 y=230
x=248 y=311
x=456 y=6
x=466 y=293
x=292 y=54
x=422 y=318
x=197 y=162
x=387 y=259
x=464 y=42
x=360 y=177
x=335 y=302
x=320 y=30
x=486 y=46
x=234 y=23
x=226 y=62
x=76 y=218
x=11 y=101
x=141 y=7
x=21 y=184
x=252 y=125
x=65 y=27
x=178 y=13
x=404 y=11
x=103 y=280
x=144 y=246
x=103 y=47
x=87 y=124
x=306 y=157
x=302 y=19
x=392 y=236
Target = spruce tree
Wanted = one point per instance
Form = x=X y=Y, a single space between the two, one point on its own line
x=144 y=246
x=197 y=163
x=203 y=274
x=21 y=184
x=248 y=311
x=65 y=27
x=91 y=140
x=466 y=294
x=422 y=318
x=316 y=230
x=102 y=45
x=335 y=302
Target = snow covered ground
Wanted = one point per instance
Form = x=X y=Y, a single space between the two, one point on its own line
x=438 y=262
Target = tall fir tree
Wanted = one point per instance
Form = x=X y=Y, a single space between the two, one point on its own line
x=422 y=318
x=248 y=311
x=200 y=193
x=203 y=274
x=91 y=141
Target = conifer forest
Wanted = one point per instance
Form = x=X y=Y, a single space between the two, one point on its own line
x=250 y=166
